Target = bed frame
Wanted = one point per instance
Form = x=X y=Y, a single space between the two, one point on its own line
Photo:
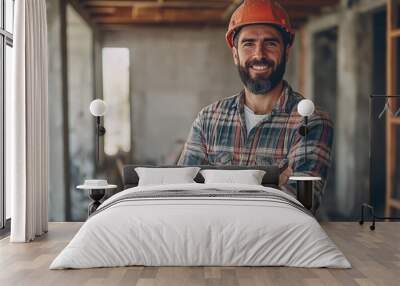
x=130 y=178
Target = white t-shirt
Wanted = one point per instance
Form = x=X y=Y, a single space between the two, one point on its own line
x=251 y=118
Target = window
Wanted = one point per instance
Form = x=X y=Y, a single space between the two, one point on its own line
x=9 y=15
x=116 y=96
x=6 y=63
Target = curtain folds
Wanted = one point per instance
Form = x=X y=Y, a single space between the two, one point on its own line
x=27 y=123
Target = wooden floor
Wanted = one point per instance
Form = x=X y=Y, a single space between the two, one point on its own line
x=375 y=256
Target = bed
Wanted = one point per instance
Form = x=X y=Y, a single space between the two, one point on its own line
x=201 y=224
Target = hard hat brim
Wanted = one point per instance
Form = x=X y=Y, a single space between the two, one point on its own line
x=288 y=37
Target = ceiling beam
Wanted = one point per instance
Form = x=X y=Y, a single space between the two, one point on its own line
x=102 y=10
x=154 y=20
x=174 y=4
x=309 y=3
x=295 y=14
x=137 y=10
x=187 y=11
x=313 y=6
x=160 y=16
x=305 y=9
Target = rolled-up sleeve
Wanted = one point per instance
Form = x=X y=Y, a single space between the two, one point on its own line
x=195 y=151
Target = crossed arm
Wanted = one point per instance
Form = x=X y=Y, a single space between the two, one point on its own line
x=319 y=144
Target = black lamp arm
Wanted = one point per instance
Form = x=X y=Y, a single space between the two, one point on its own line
x=100 y=131
x=303 y=130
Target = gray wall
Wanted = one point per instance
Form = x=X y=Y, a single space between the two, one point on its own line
x=294 y=67
x=174 y=73
x=80 y=121
x=354 y=86
x=71 y=88
x=56 y=136
x=325 y=89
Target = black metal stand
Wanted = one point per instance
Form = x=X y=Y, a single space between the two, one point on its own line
x=96 y=195
x=365 y=205
x=374 y=217
x=305 y=193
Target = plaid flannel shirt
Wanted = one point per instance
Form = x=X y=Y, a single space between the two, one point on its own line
x=219 y=137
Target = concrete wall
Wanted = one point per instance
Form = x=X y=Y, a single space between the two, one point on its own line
x=365 y=90
x=56 y=136
x=325 y=88
x=174 y=73
x=74 y=79
x=354 y=71
x=81 y=122
x=294 y=67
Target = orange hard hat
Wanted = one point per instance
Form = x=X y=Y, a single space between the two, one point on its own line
x=260 y=12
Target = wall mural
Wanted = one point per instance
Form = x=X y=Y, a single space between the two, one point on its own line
x=81 y=122
x=384 y=152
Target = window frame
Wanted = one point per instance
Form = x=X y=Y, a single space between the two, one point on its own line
x=6 y=39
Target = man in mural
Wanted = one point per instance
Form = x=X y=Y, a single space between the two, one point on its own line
x=260 y=125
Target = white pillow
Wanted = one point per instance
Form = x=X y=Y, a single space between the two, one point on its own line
x=162 y=176
x=248 y=177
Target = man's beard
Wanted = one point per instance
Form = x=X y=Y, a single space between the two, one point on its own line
x=260 y=85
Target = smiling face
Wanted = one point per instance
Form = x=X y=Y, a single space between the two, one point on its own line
x=260 y=56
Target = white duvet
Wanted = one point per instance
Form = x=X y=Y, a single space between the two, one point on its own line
x=202 y=231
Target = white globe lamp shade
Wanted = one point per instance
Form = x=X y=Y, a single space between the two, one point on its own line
x=306 y=107
x=98 y=107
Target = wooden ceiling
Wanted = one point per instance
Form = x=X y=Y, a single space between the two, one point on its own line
x=186 y=12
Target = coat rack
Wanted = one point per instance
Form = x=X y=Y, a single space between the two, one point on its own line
x=371 y=207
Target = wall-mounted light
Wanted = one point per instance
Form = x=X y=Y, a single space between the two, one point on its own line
x=305 y=108
x=98 y=109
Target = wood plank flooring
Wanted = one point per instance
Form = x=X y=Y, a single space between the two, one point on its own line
x=375 y=257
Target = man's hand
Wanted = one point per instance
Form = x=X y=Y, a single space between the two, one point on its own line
x=284 y=176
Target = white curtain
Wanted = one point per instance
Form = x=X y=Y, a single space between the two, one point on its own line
x=27 y=123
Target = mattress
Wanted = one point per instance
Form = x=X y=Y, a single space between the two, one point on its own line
x=201 y=225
